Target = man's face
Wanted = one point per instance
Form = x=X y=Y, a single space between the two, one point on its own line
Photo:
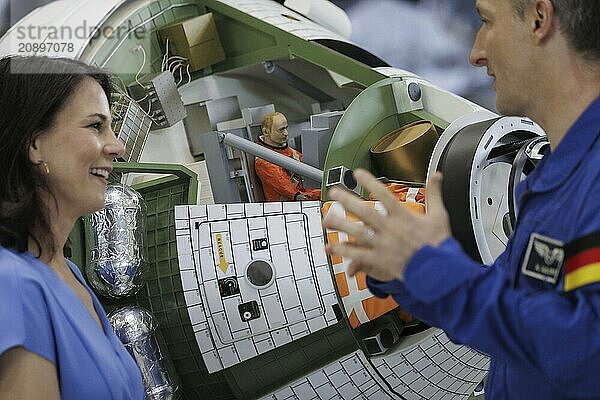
x=279 y=134
x=501 y=46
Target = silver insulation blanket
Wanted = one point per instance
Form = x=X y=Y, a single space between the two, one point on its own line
x=118 y=261
x=136 y=328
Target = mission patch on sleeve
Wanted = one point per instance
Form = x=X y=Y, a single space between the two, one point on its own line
x=544 y=258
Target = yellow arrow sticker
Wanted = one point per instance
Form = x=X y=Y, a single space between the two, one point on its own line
x=222 y=261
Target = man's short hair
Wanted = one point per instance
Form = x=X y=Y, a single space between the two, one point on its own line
x=579 y=21
x=267 y=122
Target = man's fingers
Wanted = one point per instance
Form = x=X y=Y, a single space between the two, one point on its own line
x=361 y=259
x=346 y=250
x=351 y=228
x=355 y=267
x=374 y=271
x=357 y=206
x=434 y=200
x=381 y=193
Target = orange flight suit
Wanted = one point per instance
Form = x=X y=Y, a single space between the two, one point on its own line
x=278 y=183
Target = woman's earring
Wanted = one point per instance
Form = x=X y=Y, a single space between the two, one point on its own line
x=46 y=169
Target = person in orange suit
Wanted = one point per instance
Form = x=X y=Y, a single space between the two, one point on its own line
x=278 y=183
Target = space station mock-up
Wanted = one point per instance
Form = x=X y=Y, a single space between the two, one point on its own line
x=220 y=295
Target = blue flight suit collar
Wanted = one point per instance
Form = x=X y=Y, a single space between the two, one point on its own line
x=557 y=166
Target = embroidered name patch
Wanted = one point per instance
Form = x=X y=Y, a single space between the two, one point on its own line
x=544 y=258
x=583 y=261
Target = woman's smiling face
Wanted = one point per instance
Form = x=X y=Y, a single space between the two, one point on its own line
x=78 y=151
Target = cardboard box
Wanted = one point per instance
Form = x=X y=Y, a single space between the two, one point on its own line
x=196 y=39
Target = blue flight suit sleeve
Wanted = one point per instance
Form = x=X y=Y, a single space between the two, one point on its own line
x=524 y=323
x=478 y=306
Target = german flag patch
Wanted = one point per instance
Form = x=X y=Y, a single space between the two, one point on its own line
x=582 y=266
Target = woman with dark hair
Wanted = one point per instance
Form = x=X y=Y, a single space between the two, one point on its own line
x=56 y=151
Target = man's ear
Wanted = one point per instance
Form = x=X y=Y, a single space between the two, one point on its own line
x=543 y=20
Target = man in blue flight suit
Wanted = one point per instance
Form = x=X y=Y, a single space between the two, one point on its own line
x=536 y=310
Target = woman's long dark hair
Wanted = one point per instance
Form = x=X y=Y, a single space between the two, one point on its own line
x=33 y=90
